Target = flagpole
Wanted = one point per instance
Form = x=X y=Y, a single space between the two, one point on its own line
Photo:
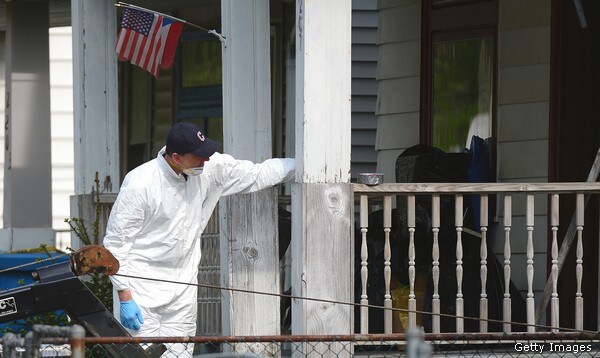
x=213 y=32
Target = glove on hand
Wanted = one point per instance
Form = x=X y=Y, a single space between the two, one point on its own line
x=130 y=315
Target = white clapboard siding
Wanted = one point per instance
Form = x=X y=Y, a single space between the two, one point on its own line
x=523 y=124
x=398 y=75
x=61 y=116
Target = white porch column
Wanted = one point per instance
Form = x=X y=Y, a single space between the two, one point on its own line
x=95 y=102
x=322 y=246
x=249 y=254
x=27 y=166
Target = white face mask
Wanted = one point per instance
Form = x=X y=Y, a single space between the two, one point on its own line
x=192 y=171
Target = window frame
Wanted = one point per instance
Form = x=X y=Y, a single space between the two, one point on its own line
x=446 y=20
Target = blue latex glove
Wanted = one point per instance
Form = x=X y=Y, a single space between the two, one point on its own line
x=130 y=315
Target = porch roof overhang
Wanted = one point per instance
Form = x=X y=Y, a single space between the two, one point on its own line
x=60 y=13
x=60 y=10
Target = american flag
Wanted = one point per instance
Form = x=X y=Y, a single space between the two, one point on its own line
x=148 y=40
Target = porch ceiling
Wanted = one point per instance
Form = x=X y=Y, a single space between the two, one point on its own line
x=60 y=10
x=60 y=13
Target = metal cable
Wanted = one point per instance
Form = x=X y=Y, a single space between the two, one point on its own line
x=394 y=309
x=355 y=304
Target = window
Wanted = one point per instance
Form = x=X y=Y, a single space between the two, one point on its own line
x=200 y=90
x=459 y=61
x=462 y=92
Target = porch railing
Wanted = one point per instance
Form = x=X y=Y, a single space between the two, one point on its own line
x=447 y=203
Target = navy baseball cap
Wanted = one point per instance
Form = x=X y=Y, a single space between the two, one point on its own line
x=186 y=138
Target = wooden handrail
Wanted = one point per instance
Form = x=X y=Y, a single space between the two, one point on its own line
x=466 y=188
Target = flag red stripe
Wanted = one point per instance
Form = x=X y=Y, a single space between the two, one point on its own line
x=130 y=44
x=153 y=65
x=160 y=45
x=137 y=58
x=120 y=41
x=171 y=44
x=124 y=38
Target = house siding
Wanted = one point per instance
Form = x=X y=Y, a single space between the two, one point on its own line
x=364 y=86
x=398 y=75
x=523 y=124
x=61 y=117
x=523 y=87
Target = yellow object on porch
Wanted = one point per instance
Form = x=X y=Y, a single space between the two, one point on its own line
x=400 y=295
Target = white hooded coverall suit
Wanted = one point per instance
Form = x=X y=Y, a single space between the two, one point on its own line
x=154 y=231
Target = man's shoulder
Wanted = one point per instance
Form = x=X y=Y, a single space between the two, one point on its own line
x=141 y=175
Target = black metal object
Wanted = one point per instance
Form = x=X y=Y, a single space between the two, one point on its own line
x=58 y=288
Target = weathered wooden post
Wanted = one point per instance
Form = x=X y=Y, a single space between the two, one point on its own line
x=95 y=103
x=322 y=236
x=249 y=254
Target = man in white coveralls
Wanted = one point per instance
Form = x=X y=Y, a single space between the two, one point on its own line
x=155 y=226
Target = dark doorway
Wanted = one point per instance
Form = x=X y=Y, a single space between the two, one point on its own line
x=575 y=139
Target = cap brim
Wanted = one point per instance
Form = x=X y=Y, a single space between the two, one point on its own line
x=209 y=148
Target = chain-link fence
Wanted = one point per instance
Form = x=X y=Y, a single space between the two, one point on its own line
x=47 y=341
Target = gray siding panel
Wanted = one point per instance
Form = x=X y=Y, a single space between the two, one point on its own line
x=523 y=14
x=532 y=163
x=522 y=122
x=524 y=84
x=406 y=61
x=363 y=138
x=364 y=155
x=384 y=4
x=366 y=18
x=362 y=52
x=363 y=104
x=401 y=23
x=364 y=121
x=364 y=5
x=364 y=35
x=363 y=69
x=522 y=47
x=364 y=86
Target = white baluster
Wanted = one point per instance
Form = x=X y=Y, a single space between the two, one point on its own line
x=458 y=222
x=412 y=302
x=579 y=263
x=387 y=254
x=483 y=300
x=364 y=271
x=506 y=317
x=530 y=299
x=554 y=315
x=435 y=270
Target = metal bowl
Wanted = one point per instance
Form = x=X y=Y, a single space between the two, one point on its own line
x=370 y=178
